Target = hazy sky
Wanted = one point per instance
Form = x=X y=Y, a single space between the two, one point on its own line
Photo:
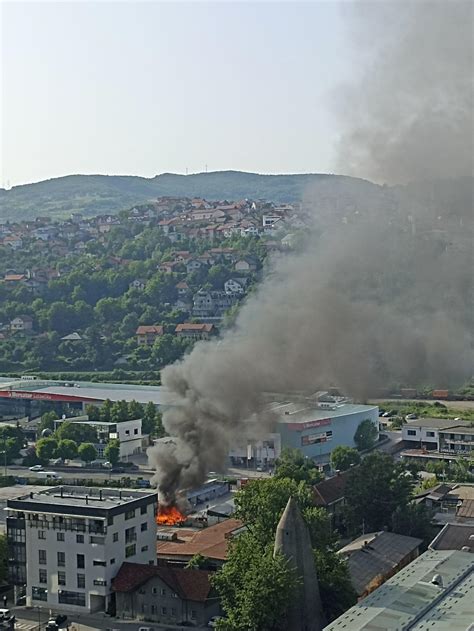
x=149 y=87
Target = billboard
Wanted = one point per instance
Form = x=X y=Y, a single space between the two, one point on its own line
x=316 y=439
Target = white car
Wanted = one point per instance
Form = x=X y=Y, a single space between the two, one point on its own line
x=36 y=467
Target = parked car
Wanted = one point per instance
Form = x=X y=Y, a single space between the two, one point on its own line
x=5 y=614
x=36 y=467
x=410 y=417
x=117 y=470
x=56 y=462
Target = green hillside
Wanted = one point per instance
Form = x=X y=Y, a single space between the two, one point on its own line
x=97 y=194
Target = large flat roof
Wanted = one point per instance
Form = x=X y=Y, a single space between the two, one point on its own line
x=437 y=423
x=303 y=412
x=410 y=600
x=88 y=390
x=56 y=499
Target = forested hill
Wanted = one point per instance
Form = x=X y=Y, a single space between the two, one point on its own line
x=99 y=194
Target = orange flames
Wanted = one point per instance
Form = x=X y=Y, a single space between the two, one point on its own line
x=169 y=516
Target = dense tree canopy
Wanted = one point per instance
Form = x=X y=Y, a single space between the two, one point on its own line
x=366 y=435
x=343 y=458
x=294 y=465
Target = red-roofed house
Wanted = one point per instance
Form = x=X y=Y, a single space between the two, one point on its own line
x=196 y=331
x=147 y=334
x=212 y=543
x=164 y=594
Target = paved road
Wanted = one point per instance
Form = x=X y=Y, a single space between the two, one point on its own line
x=27 y=620
x=87 y=474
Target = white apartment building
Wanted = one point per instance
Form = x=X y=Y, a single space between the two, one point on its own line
x=129 y=434
x=67 y=543
x=436 y=434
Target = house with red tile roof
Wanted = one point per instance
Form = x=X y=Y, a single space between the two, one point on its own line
x=147 y=334
x=165 y=594
x=212 y=543
x=196 y=331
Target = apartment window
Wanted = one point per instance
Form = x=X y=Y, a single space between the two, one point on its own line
x=61 y=559
x=153 y=609
x=163 y=611
x=115 y=537
x=41 y=534
x=411 y=432
x=42 y=557
x=60 y=536
x=81 y=581
x=193 y=614
x=99 y=563
x=130 y=535
x=430 y=434
x=143 y=510
x=61 y=578
x=112 y=561
x=43 y=576
x=127 y=432
x=173 y=611
x=174 y=595
x=79 y=538
x=163 y=591
x=100 y=581
x=80 y=561
x=154 y=590
x=110 y=520
x=144 y=548
x=99 y=540
x=130 y=514
x=72 y=598
x=144 y=526
x=39 y=593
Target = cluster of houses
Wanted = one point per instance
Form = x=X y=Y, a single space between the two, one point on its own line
x=148 y=334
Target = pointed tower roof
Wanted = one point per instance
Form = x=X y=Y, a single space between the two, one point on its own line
x=293 y=541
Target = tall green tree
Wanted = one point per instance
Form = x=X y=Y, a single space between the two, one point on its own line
x=93 y=412
x=106 y=410
x=78 y=432
x=294 y=465
x=366 y=435
x=47 y=421
x=66 y=449
x=374 y=490
x=343 y=458
x=255 y=587
x=87 y=452
x=135 y=410
x=112 y=451
x=46 y=448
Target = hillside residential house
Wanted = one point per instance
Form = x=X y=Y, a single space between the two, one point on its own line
x=212 y=304
x=147 y=334
x=375 y=557
x=164 y=594
x=137 y=284
x=246 y=264
x=21 y=323
x=235 y=286
x=196 y=331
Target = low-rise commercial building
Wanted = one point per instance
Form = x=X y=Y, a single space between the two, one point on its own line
x=375 y=557
x=67 y=543
x=128 y=433
x=435 y=591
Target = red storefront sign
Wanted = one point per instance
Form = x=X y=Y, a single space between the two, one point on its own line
x=42 y=396
x=298 y=427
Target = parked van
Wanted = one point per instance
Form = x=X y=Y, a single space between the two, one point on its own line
x=48 y=475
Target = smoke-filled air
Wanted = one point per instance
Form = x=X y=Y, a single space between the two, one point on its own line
x=378 y=290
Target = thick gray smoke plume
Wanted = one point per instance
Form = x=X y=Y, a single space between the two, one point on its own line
x=410 y=114
x=378 y=294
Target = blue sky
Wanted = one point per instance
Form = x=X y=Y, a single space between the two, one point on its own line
x=147 y=87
